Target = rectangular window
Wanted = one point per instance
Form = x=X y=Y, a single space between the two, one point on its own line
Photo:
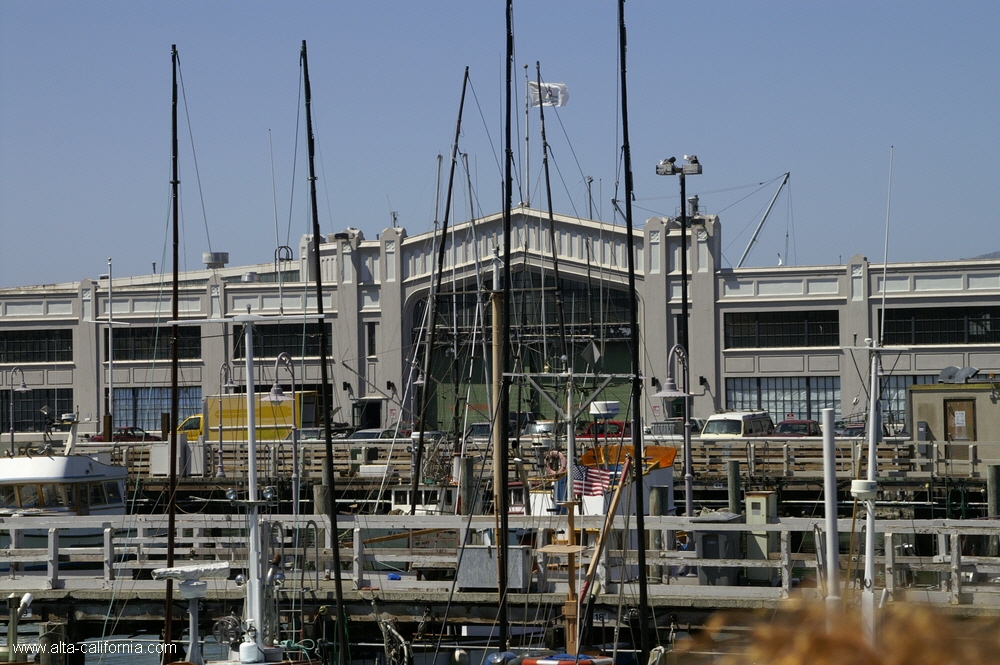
x=299 y=340
x=370 y=333
x=36 y=346
x=942 y=325
x=142 y=407
x=154 y=343
x=894 y=389
x=28 y=416
x=761 y=330
x=796 y=397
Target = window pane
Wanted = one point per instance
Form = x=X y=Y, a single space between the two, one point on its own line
x=147 y=404
x=796 y=397
x=36 y=346
x=743 y=330
x=942 y=325
x=29 y=495
x=154 y=343
x=28 y=416
x=271 y=340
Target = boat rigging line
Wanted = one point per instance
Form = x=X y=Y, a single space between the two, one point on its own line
x=562 y=353
x=432 y=299
x=763 y=220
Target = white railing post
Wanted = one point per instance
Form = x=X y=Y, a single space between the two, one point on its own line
x=16 y=543
x=956 y=569
x=109 y=554
x=52 y=577
x=890 y=564
x=786 y=564
x=359 y=560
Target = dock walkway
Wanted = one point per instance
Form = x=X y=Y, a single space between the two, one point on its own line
x=408 y=564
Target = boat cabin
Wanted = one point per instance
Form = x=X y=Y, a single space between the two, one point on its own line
x=61 y=485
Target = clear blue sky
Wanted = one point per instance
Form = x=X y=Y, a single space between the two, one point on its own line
x=820 y=89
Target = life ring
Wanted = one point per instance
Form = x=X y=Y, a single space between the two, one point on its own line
x=555 y=463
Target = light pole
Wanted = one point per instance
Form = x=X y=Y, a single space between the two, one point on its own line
x=278 y=395
x=111 y=354
x=693 y=167
x=109 y=413
x=225 y=383
x=670 y=391
x=20 y=389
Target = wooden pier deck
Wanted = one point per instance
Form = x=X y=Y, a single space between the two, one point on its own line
x=952 y=564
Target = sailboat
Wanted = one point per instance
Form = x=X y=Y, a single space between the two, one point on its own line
x=254 y=638
x=610 y=457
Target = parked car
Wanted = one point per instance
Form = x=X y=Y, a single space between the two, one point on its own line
x=798 y=428
x=479 y=430
x=127 y=434
x=860 y=431
x=543 y=433
x=604 y=429
x=674 y=427
x=309 y=434
x=389 y=433
x=733 y=424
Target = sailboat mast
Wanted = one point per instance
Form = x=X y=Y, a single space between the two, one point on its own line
x=502 y=419
x=634 y=331
x=168 y=609
x=432 y=302
x=324 y=386
x=562 y=351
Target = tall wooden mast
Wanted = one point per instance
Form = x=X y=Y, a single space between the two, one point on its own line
x=168 y=609
x=340 y=657
x=633 y=309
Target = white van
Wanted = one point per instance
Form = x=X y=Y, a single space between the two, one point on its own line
x=735 y=424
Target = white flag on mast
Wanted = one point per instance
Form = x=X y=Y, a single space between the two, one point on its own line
x=552 y=94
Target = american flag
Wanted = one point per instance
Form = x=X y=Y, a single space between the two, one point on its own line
x=589 y=481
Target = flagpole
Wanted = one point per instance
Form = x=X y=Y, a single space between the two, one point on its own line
x=527 y=153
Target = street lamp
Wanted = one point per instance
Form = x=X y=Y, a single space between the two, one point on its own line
x=109 y=413
x=225 y=385
x=20 y=389
x=693 y=167
x=278 y=395
x=670 y=391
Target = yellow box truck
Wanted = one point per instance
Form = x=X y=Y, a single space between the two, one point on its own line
x=273 y=419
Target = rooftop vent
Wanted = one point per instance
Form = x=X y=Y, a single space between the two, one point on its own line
x=249 y=277
x=213 y=260
x=952 y=374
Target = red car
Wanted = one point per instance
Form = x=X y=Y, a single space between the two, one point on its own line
x=128 y=434
x=797 y=428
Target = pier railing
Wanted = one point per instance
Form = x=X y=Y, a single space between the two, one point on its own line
x=764 y=457
x=950 y=562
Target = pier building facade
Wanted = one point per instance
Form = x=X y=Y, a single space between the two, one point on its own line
x=788 y=339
